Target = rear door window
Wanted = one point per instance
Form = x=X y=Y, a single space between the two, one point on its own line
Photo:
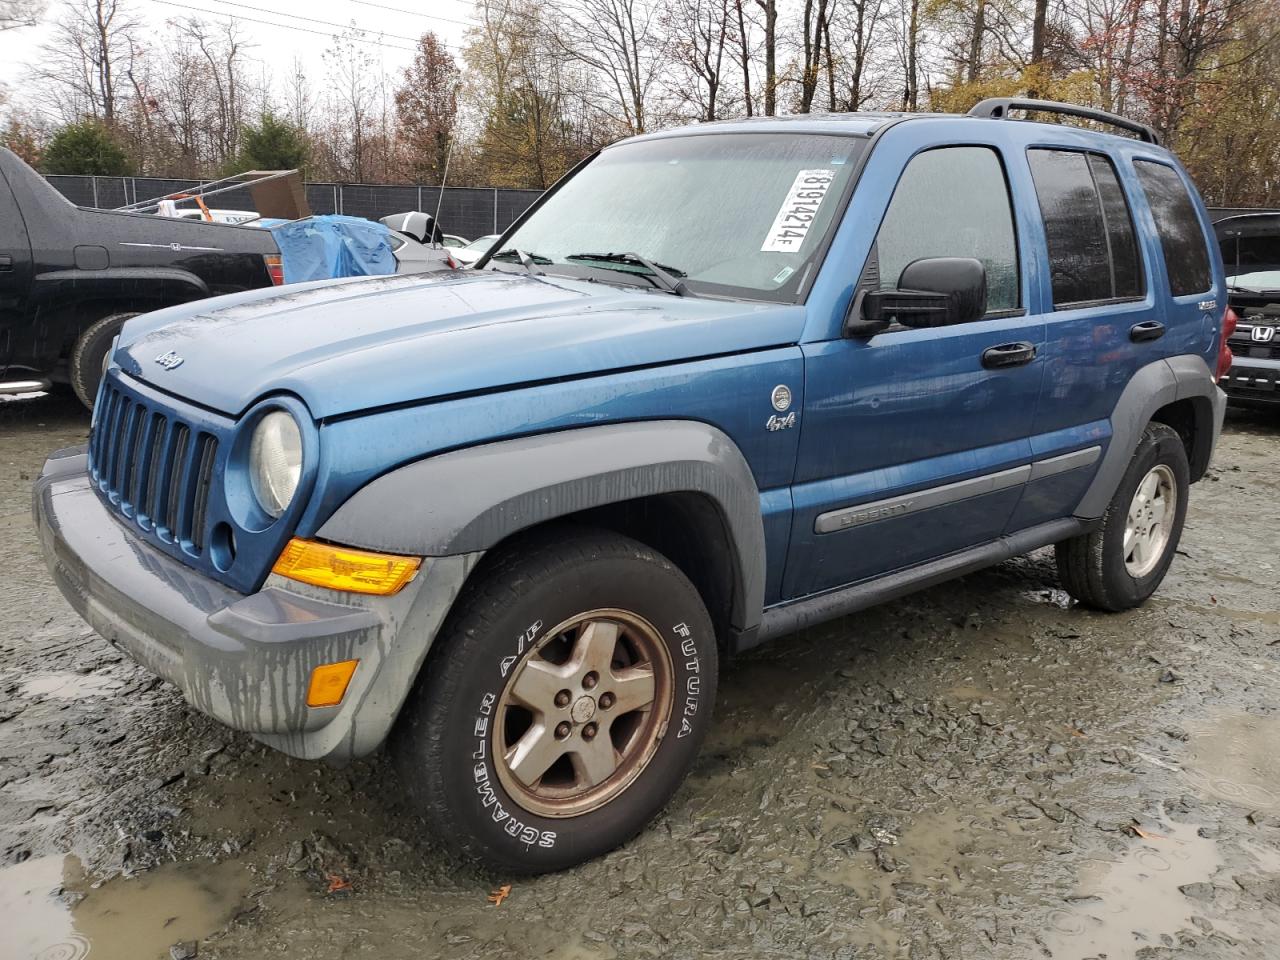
x=1186 y=254
x=1093 y=249
x=931 y=215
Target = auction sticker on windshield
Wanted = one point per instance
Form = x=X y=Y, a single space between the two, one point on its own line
x=798 y=211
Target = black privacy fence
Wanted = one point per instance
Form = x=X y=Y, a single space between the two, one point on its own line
x=470 y=212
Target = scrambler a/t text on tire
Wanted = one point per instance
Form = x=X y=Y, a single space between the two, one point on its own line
x=562 y=705
x=1120 y=564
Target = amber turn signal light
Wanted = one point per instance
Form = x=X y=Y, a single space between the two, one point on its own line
x=329 y=683
x=345 y=568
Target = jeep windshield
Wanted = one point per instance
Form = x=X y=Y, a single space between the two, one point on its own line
x=725 y=214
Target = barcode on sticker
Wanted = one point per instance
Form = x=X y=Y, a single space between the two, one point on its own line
x=798 y=211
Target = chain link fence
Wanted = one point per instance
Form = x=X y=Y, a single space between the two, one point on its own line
x=468 y=211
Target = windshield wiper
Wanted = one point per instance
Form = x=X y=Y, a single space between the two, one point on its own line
x=526 y=260
x=670 y=279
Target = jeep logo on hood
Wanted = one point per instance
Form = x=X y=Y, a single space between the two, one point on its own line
x=169 y=360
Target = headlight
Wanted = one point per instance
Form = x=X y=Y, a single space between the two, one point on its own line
x=275 y=461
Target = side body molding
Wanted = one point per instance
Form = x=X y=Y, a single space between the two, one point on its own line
x=468 y=500
x=1154 y=386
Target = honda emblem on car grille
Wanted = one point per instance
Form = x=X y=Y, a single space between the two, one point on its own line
x=1264 y=334
x=169 y=360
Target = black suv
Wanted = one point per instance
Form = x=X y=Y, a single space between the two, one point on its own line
x=1251 y=254
x=70 y=276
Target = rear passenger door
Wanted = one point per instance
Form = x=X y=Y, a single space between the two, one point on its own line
x=1103 y=321
x=1192 y=309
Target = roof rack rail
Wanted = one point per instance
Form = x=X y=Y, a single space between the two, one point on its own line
x=998 y=109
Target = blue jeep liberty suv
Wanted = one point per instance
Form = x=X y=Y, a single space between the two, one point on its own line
x=719 y=383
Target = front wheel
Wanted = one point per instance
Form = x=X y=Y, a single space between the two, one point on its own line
x=1120 y=564
x=563 y=704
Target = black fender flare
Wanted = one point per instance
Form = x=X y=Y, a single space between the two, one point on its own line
x=118 y=283
x=468 y=500
x=1153 y=386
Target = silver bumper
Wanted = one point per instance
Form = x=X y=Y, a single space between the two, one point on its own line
x=243 y=660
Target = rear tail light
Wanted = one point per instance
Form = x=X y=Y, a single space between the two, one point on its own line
x=1225 y=359
x=453 y=264
x=275 y=267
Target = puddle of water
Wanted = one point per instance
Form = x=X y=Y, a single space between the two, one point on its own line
x=123 y=919
x=69 y=686
x=1132 y=902
x=1234 y=758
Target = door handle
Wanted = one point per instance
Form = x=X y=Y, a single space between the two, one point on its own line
x=1147 y=330
x=6 y=262
x=1008 y=355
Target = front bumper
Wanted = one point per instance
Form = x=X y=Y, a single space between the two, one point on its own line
x=1254 y=379
x=243 y=660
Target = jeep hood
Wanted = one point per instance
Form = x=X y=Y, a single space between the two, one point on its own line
x=349 y=345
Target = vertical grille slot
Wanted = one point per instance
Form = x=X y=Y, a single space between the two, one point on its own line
x=98 y=442
x=149 y=492
x=110 y=440
x=178 y=463
x=119 y=449
x=132 y=453
x=207 y=451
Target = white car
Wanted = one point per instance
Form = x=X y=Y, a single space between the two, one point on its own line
x=413 y=256
x=476 y=249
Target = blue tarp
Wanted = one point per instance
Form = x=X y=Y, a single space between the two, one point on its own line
x=318 y=248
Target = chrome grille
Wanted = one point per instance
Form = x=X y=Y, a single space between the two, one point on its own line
x=153 y=468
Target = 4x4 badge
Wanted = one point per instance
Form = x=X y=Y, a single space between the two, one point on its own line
x=169 y=360
x=1264 y=334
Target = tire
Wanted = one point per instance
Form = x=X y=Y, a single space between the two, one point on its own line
x=90 y=354
x=464 y=714
x=1094 y=567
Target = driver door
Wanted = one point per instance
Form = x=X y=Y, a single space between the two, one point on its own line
x=915 y=442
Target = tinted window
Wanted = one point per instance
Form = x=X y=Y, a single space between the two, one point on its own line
x=1093 y=250
x=1185 y=256
x=930 y=217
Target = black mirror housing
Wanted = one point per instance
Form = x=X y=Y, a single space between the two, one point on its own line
x=931 y=292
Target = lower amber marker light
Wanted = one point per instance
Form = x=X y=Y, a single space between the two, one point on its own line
x=329 y=683
x=345 y=568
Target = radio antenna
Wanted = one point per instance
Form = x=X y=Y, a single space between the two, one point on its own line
x=435 y=227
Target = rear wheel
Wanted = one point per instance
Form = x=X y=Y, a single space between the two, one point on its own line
x=1120 y=564
x=562 y=705
x=89 y=356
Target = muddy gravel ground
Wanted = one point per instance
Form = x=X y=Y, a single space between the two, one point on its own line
x=981 y=770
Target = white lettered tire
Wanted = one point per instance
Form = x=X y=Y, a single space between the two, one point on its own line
x=563 y=703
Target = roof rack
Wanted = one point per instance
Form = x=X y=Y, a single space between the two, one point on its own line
x=998 y=109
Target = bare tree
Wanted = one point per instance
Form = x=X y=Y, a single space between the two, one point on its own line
x=86 y=59
x=621 y=40
x=20 y=13
x=701 y=32
x=814 y=27
x=769 y=10
x=352 y=106
x=855 y=29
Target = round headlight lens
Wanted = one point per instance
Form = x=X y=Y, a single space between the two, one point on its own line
x=275 y=461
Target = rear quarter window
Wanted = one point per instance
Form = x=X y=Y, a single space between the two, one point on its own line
x=1186 y=252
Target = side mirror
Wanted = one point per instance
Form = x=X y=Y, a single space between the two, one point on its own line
x=933 y=292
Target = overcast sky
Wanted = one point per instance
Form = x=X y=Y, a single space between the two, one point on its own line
x=280 y=30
